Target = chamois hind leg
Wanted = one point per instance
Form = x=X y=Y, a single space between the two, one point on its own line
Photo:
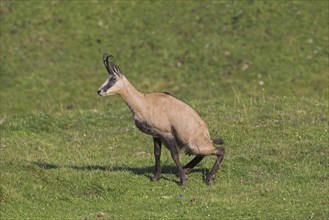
x=157 y=155
x=188 y=167
x=175 y=157
x=219 y=152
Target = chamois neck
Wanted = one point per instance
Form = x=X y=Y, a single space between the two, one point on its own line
x=133 y=98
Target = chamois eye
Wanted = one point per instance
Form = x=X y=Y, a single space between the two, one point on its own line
x=113 y=79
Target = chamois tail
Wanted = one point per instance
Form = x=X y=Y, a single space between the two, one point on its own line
x=218 y=141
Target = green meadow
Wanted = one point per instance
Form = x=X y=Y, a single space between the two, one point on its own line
x=256 y=71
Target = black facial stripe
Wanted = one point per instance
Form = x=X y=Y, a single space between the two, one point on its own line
x=111 y=82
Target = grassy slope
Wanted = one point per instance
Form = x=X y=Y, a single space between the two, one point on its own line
x=66 y=153
x=52 y=52
x=78 y=164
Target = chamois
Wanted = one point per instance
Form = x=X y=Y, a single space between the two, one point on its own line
x=168 y=120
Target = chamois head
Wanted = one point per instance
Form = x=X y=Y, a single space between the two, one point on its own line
x=114 y=82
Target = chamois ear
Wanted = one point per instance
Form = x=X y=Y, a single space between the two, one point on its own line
x=115 y=69
x=110 y=66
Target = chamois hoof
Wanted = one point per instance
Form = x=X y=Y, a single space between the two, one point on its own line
x=183 y=180
x=210 y=181
x=183 y=183
x=155 y=178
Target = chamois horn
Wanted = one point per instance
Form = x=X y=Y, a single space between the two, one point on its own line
x=110 y=66
x=107 y=63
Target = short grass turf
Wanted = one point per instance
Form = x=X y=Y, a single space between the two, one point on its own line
x=256 y=71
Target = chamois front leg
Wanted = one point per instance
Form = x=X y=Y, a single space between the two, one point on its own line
x=175 y=157
x=157 y=155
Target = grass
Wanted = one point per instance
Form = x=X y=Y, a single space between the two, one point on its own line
x=71 y=167
x=256 y=71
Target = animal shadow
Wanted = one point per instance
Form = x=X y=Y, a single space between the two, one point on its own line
x=144 y=171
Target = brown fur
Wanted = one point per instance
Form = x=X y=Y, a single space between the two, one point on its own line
x=169 y=117
x=169 y=121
